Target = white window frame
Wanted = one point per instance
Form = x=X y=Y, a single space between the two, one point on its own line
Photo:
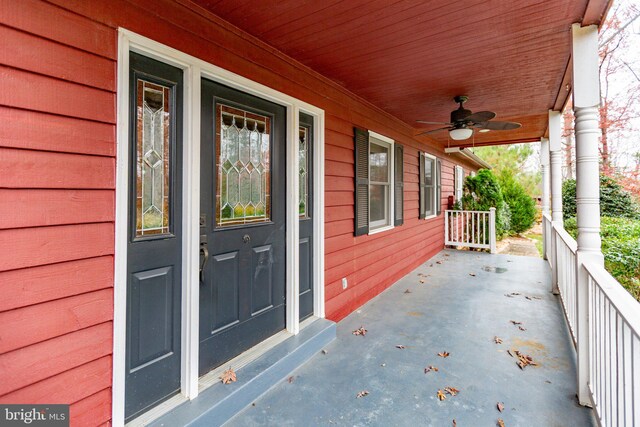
x=434 y=196
x=384 y=141
x=459 y=181
x=194 y=69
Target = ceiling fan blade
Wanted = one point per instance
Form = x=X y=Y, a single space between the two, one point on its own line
x=433 y=123
x=480 y=116
x=433 y=130
x=497 y=125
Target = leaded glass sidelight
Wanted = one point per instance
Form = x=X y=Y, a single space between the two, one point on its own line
x=303 y=159
x=152 y=164
x=243 y=144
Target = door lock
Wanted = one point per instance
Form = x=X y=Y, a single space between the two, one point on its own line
x=246 y=238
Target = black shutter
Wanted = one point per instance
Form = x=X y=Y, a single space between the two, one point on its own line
x=361 y=206
x=398 y=192
x=422 y=194
x=438 y=187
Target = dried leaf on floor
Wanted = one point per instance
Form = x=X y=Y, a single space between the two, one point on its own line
x=500 y=422
x=497 y=340
x=522 y=328
x=422 y=281
x=472 y=274
x=510 y=353
x=441 y=395
x=516 y=323
x=455 y=424
x=228 y=376
x=400 y=346
x=443 y=354
x=407 y=291
x=447 y=255
x=512 y=294
x=325 y=352
x=430 y=368
x=291 y=379
x=532 y=297
x=500 y=406
x=438 y=262
x=362 y=393
x=360 y=331
x=430 y=265
x=383 y=364
x=451 y=390
x=524 y=360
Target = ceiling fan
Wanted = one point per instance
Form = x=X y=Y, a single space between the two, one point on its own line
x=463 y=121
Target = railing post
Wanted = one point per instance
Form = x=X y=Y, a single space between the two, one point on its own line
x=555 y=133
x=492 y=230
x=446 y=227
x=586 y=100
x=544 y=166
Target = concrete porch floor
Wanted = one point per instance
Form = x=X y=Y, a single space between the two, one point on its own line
x=451 y=311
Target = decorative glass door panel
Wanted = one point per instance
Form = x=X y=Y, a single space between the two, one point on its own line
x=152 y=172
x=303 y=165
x=243 y=164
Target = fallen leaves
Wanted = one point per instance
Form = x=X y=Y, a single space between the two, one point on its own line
x=524 y=360
x=497 y=340
x=451 y=390
x=362 y=393
x=472 y=274
x=532 y=297
x=512 y=294
x=455 y=424
x=500 y=422
x=400 y=346
x=430 y=368
x=422 y=281
x=407 y=291
x=360 y=331
x=291 y=379
x=324 y=351
x=443 y=354
x=441 y=395
x=500 y=406
x=228 y=376
x=519 y=325
x=438 y=262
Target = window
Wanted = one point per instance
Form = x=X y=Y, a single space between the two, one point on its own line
x=379 y=182
x=430 y=189
x=458 y=183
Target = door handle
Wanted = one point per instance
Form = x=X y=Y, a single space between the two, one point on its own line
x=246 y=238
x=204 y=258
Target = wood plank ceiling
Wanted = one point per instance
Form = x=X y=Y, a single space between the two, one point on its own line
x=411 y=57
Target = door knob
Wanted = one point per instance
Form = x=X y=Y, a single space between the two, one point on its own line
x=204 y=258
x=246 y=238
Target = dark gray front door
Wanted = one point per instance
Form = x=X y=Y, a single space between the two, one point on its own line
x=242 y=288
x=154 y=251
x=305 y=209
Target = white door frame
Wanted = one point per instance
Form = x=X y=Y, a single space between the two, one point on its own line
x=194 y=70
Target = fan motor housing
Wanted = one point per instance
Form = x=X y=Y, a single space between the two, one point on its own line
x=460 y=114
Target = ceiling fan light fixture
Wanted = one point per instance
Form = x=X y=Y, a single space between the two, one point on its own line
x=460 y=134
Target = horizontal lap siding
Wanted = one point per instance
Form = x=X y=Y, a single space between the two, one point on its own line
x=57 y=180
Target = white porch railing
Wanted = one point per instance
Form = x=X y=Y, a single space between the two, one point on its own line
x=613 y=325
x=472 y=229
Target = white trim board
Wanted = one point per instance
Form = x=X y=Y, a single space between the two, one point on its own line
x=194 y=70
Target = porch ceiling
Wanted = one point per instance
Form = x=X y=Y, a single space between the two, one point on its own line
x=411 y=58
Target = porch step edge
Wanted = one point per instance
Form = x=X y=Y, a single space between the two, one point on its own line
x=219 y=403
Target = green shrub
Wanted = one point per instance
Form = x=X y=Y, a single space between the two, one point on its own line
x=521 y=206
x=621 y=249
x=482 y=192
x=614 y=200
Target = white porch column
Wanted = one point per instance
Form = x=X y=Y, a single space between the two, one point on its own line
x=586 y=100
x=555 y=154
x=544 y=165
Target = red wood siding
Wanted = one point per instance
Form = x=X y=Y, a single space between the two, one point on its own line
x=57 y=179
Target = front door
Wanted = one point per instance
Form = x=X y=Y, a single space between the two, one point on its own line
x=242 y=223
x=154 y=249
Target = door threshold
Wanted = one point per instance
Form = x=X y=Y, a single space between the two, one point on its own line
x=213 y=377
